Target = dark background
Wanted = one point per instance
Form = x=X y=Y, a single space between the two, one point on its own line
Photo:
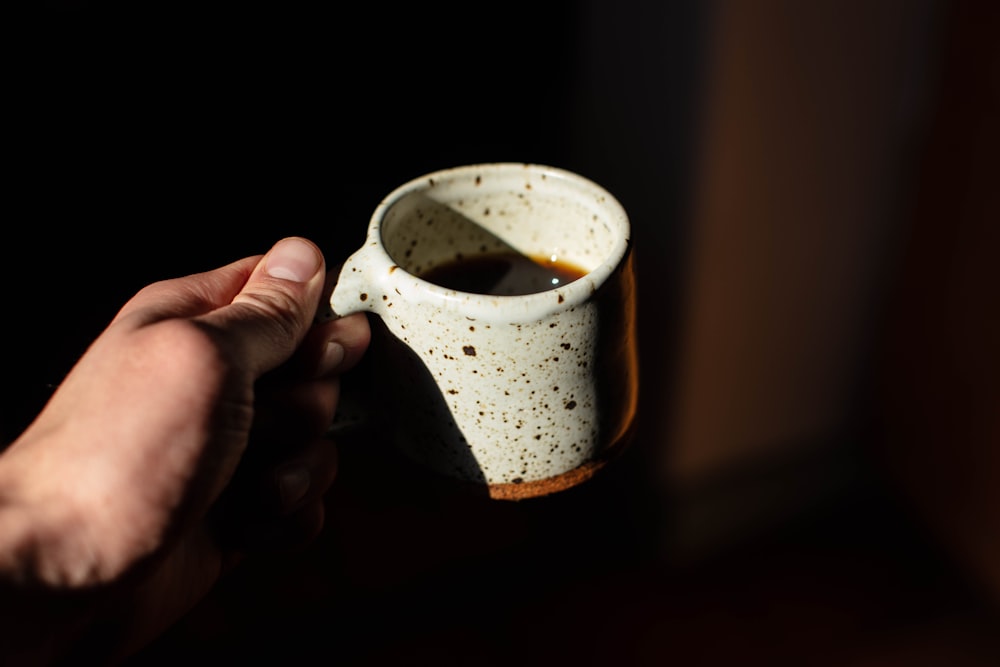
x=824 y=172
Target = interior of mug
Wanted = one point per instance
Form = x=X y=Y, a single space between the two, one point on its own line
x=543 y=213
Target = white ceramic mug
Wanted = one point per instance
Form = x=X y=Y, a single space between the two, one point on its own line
x=519 y=395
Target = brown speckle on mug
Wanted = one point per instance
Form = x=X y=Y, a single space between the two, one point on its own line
x=469 y=350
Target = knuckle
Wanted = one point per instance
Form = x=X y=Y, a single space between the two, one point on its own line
x=280 y=309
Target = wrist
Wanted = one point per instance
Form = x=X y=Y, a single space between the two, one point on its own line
x=39 y=621
x=43 y=611
x=33 y=537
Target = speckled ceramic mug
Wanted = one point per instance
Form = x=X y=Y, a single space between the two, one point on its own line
x=518 y=395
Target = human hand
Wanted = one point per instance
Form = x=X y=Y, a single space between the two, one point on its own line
x=189 y=434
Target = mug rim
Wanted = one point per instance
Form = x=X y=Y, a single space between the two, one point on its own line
x=479 y=305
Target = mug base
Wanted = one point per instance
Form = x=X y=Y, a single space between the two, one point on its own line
x=526 y=490
x=568 y=479
x=544 y=487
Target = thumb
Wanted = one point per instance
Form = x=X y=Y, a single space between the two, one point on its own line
x=269 y=317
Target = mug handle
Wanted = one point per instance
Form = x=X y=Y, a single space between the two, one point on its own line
x=346 y=289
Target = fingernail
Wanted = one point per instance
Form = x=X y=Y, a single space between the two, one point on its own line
x=293 y=484
x=293 y=259
x=333 y=356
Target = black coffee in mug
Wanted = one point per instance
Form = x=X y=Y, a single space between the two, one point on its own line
x=503 y=274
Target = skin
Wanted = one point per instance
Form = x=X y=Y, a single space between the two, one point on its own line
x=187 y=437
